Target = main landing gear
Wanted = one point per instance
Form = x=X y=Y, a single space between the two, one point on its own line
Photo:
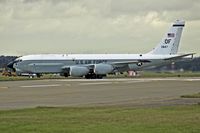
x=94 y=76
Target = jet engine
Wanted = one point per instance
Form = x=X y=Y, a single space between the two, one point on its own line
x=77 y=71
x=102 y=69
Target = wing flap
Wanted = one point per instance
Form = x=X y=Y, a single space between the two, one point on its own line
x=131 y=62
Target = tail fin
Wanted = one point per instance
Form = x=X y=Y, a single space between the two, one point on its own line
x=170 y=42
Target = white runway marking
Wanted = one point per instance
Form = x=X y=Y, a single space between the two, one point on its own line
x=40 y=86
x=127 y=79
x=96 y=83
x=171 y=79
x=192 y=79
x=4 y=87
x=135 y=81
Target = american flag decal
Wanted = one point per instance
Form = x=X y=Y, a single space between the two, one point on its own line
x=171 y=35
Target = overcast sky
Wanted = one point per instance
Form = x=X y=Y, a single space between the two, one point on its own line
x=94 y=26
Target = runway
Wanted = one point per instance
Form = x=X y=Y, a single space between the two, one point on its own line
x=101 y=92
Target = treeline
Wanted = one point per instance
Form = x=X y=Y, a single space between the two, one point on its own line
x=182 y=65
x=191 y=65
x=4 y=60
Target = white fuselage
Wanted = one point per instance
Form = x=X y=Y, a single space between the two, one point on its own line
x=53 y=63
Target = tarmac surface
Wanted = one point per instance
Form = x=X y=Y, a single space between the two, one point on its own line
x=101 y=92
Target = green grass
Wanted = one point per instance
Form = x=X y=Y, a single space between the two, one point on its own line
x=150 y=74
x=5 y=78
x=179 y=119
x=170 y=74
x=197 y=95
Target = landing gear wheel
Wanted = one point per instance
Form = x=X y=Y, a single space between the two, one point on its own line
x=99 y=76
x=90 y=76
x=87 y=76
x=93 y=76
x=38 y=75
x=66 y=75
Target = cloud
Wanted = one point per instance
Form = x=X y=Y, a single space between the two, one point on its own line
x=90 y=23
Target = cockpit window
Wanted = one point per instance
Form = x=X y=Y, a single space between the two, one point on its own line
x=17 y=60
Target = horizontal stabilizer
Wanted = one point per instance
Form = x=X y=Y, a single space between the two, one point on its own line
x=180 y=56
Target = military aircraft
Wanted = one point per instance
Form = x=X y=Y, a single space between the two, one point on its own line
x=99 y=65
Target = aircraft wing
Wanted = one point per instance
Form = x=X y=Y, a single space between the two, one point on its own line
x=131 y=62
x=119 y=64
x=180 y=56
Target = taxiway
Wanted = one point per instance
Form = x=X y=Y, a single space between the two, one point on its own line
x=103 y=92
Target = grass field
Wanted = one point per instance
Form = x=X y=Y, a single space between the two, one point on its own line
x=179 y=119
x=170 y=74
x=197 y=95
x=151 y=74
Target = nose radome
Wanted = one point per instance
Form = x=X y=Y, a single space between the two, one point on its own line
x=10 y=65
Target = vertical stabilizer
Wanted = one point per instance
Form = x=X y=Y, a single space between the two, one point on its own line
x=170 y=42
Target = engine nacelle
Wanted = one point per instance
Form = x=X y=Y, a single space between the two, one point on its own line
x=102 y=69
x=78 y=71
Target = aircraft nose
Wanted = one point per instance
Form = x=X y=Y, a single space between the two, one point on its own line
x=10 y=65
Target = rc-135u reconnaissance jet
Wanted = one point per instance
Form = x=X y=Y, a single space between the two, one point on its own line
x=98 y=65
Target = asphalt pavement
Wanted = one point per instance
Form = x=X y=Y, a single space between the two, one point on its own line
x=101 y=92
